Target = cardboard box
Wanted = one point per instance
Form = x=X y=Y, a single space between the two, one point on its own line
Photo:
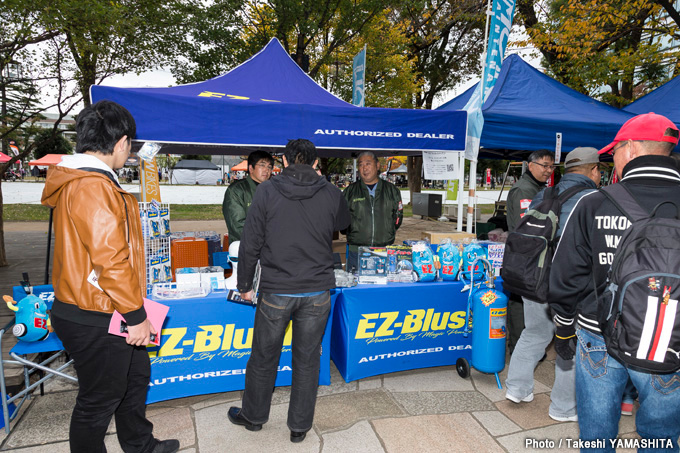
x=455 y=236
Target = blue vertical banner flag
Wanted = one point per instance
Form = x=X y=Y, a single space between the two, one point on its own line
x=499 y=32
x=359 y=78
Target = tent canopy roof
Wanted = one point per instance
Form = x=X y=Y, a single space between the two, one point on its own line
x=266 y=101
x=526 y=108
x=665 y=101
x=198 y=164
x=47 y=159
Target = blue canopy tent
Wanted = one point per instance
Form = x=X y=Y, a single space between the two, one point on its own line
x=268 y=100
x=526 y=109
x=665 y=101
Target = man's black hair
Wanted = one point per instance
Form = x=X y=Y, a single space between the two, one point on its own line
x=540 y=154
x=300 y=151
x=257 y=156
x=101 y=125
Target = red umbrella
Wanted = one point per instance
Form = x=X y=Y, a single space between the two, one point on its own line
x=4 y=158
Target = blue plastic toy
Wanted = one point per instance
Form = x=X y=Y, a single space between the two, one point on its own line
x=471 y=253
x=423 y=262
x=450 y=258
x=31 y=321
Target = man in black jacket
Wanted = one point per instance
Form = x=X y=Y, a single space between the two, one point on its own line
x=289 y=228
x=582 y=260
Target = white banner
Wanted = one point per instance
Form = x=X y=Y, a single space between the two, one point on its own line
x=441 y=164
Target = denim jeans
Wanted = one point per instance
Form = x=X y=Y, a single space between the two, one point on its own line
x=600 y=384
x=309 y=315
x=537 y=334
x=113 y=378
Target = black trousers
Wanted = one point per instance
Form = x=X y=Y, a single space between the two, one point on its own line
x=113 y=378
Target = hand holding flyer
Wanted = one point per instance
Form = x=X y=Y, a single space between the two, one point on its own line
x=156 y=314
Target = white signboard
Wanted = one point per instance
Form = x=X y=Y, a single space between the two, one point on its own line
x=440 y=164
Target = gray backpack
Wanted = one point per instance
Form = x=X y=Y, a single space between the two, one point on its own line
x=638 y=312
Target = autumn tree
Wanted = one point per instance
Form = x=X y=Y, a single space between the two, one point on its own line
x=589 y=45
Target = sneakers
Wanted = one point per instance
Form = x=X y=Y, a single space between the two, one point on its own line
x=514 y=399
x=570 y=418
x=626 y=408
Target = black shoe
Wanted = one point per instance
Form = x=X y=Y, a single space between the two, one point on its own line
x=237 y=418
x=166 y=446
x=297 y=436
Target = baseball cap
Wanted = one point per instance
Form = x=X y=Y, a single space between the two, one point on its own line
x=648 y=126
x=582 y=155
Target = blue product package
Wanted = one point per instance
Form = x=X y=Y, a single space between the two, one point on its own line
x=423 y=262
x=450 y=257
x=165 y=221
x=166 y=268
x=471 y=252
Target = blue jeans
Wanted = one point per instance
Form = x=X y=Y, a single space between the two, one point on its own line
x=309 y=315
x=537 y=334
x=600 y=384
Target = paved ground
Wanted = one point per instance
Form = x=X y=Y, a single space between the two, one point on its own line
x=420 y=410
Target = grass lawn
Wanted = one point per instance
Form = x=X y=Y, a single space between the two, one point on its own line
x=39 y=213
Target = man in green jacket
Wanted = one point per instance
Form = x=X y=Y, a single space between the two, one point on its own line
x=375 y=208
x=239 y=194
x=540 y=167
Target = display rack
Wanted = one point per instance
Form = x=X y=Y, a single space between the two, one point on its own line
x=157 y=256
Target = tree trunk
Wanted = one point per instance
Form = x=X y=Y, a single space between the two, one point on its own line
x=414 y=165
x=3 y=255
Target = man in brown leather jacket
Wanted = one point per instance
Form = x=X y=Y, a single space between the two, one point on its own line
x=98 y=268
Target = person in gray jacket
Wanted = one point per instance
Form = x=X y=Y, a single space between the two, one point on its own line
x=540 y=167
x=583 y=170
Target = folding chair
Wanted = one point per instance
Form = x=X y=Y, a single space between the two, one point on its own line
x=20 y=354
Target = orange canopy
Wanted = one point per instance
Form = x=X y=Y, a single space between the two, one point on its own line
x=48 y=159
x=243 y=166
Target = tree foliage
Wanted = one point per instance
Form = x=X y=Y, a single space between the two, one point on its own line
x=588 y=45
x=49 y=143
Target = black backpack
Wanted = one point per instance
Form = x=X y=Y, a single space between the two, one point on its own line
x=638 y=312
x=530 y=248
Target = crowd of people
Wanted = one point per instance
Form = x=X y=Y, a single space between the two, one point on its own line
x=287 y=223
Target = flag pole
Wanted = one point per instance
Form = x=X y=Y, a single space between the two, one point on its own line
x=473 y=163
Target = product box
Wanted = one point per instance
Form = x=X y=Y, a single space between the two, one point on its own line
x=212 y=276
x=494 y=253
x=372 y=265
x=455 y=236
x=399 y=263
x=188 y=275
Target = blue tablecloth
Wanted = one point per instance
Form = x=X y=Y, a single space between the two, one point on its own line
x=205 y=347
x=380 y=329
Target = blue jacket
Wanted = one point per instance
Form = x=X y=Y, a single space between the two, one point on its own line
x=568 y=181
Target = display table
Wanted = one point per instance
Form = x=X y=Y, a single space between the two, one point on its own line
x=205 y=346
x=380 y=329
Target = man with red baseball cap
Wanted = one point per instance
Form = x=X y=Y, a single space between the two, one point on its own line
x=641 y=152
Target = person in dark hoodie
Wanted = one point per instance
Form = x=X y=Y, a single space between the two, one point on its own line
x=98 y=268
x=289 y=229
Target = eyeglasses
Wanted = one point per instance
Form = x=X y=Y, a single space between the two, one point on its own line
x=263 y=165
x=618 y=146
x=545 y=166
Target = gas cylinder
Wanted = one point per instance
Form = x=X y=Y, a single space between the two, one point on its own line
x=487 y=307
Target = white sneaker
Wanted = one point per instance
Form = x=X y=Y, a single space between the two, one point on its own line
x=572 y=418
x=514 y=399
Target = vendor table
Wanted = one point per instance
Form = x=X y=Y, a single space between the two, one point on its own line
x=380 y=329
x=205 y=346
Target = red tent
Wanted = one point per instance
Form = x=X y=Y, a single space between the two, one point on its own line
x=49 y=159
x=4 y=158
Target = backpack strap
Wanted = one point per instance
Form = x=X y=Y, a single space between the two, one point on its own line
x=570 y=192
x=621 y=197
